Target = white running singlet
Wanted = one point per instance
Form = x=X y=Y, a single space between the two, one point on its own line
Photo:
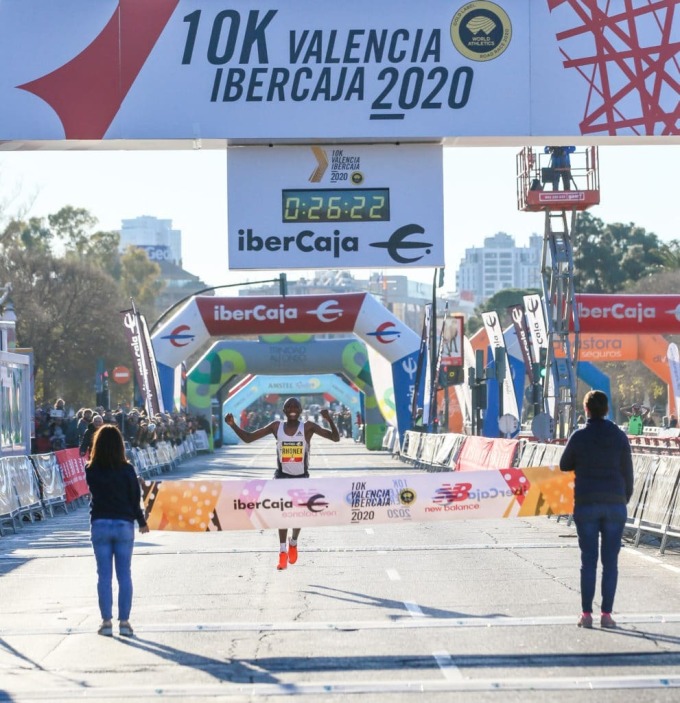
x=292 y=451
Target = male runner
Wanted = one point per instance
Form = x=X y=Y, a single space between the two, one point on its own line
x=293 y=438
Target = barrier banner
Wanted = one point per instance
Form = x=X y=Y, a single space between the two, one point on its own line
x=9 y=500
x=485 y=453
x=72 y=467
x=24 y=480
x=213 y=506
x=51 y=482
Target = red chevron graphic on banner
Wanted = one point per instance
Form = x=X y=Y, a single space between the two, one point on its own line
x=87 y=92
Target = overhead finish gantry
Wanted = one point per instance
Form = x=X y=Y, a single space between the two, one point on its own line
x=559 y=181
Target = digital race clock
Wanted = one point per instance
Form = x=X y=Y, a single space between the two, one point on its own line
x=336 y=205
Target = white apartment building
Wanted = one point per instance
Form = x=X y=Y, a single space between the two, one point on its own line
x=161 y=242
x=499 y=264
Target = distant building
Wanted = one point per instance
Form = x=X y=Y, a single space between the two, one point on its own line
x=499 y=264
x=161 y=242
x=163 y=245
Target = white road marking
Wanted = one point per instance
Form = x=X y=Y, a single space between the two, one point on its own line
x=654 y=560
x=226 y=689
x=393 y=575
x=354 y=625
x=414 y=609
x=370 y=531
x=449 y=669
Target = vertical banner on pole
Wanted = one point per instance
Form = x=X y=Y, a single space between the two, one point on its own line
x=520 y=324
x=533 y=304
x=494 y=332
x=427 y=360
x=146 y=372
x=673 y=356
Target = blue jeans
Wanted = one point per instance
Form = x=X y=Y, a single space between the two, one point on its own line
x=112 y=541
x=600 y=528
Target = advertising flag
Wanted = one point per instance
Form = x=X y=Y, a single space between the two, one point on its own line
x=520 y=324
x=146 y=371
x=673 y=356
x=494 y=332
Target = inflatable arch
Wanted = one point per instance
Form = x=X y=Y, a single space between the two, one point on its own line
x=394 y=345
x=257 y=386
x=227 y=362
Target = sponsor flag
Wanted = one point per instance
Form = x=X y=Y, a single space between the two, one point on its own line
x=538 y=337
x=673 y=356
x=427 y=362
x=438 y=365
x=146 y=372
x=538 y=333
x=492 y=325
x=520 y=324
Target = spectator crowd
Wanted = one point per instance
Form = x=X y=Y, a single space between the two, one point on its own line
x=58 y=427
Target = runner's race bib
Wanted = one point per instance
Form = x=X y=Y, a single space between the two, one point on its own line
x=292 y=458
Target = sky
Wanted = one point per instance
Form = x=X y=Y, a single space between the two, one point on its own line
x=638 y=184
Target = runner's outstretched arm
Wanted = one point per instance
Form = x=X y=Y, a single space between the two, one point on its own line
x=245 y=435
x=331 y=434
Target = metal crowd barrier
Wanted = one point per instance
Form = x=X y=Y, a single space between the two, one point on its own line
x=32 y=487
x=654 y=507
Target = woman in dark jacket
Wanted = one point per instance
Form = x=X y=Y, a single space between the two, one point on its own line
x=114 y=507
x=599 y=454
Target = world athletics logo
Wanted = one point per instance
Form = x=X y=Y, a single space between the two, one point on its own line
x=481 y=30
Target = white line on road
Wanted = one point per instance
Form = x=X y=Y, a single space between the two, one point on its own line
x=226 y=689
x=414 y=609
x=655 y=560
x=86 y=551
x=393 y=575
x=354 y=625
x=449 y=669
x=370 y=531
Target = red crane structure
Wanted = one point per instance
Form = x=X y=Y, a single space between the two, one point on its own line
x=559 y=181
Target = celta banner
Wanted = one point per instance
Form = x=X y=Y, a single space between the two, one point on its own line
x=202 y=70
x=520 y=324
x=538 y=333
x=494 y=332
x=146 y=372
x=258 y=504
x=673 y=357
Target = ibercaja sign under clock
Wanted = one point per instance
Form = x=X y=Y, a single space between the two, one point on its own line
x=340 y=206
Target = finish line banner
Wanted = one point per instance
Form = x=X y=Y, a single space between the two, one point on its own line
x=214 y=506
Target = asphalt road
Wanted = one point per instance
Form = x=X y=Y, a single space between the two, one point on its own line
x=467 y=610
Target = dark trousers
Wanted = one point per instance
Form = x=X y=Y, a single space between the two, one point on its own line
x=600 y=528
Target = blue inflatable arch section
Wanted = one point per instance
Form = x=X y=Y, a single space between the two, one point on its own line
x=286 y=386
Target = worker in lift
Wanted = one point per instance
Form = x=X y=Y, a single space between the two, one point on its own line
x=560 y=163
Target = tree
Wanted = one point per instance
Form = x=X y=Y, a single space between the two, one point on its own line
x=499 y=302
x=72 y=226
x=68 y=314
x=69 y=286
x=608 y=257
x=140 y=279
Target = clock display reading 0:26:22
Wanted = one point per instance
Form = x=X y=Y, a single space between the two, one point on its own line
x=336 y=205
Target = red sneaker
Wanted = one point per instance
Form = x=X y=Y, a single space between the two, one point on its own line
x=292 y=554
x=283 y=561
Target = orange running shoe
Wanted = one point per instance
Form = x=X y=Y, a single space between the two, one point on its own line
x=292 y=553
x=283 y=561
